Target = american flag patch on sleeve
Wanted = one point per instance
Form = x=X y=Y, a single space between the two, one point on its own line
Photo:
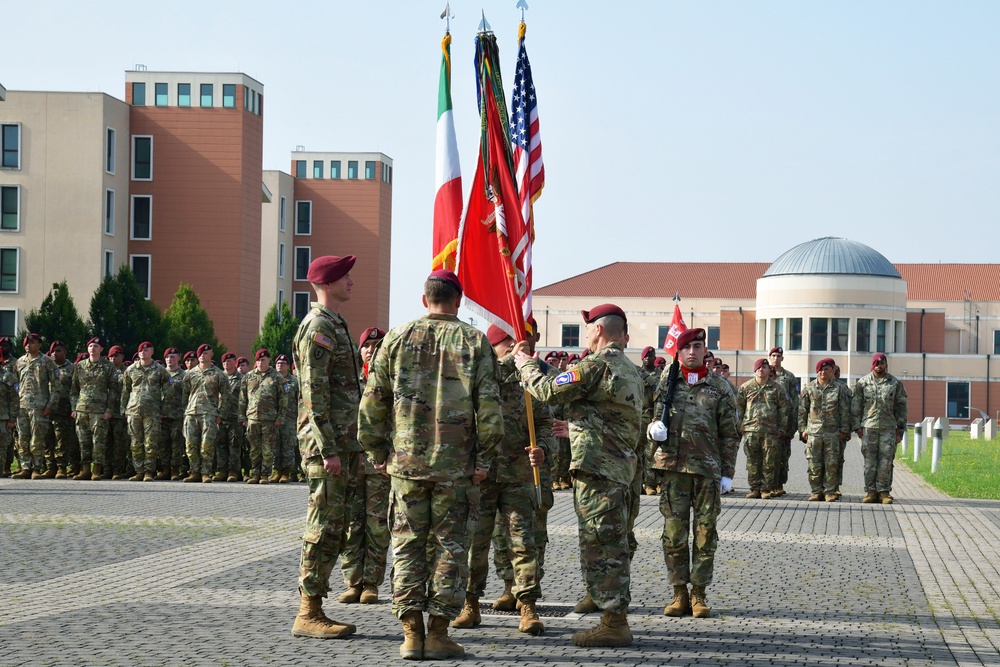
x=320 y=339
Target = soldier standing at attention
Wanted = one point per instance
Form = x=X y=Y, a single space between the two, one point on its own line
x=843 y=443
x=62 y=438
x=786 y=379
x=9 y=363
x=91 y=396
x=229 y=446
x=431 y=412
x=701 y=448
x=286 y=451
x=327 y=361
x=143 y=388
x=190 y=360
x=119 y=447
x=263 y=403
x=39 y=393
x=172 y=429
x=603 y=396
x=206 y=395
x=9 y=408
x=824 y=422
x=878 y=408
x=763 y=407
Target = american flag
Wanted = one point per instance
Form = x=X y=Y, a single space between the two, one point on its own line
x=529 y=171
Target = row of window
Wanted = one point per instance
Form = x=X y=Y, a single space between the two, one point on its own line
x=571 y=336
x=832 y=334
x=252 y=100
x=318 y=166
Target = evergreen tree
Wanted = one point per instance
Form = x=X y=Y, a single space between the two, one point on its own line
x=277 y=331
x=121 y=315
x=57 y=319
x=187 y=323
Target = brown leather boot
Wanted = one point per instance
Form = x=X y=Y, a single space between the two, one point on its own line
x=175 y=474
x=312 y=622
x=412 y=647
x=612 y=630
x=469 y=618
x=369 y=595
x=681 y=604
x=530 y=623
x=438 y=645
x=84 y=472
x=351 y=595
x=506 y=600
x=699 y=605
x=586 y=605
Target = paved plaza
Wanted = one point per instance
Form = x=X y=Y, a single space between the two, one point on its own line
x=118 y=573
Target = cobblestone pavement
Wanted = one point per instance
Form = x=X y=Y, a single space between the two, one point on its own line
x=113 y=573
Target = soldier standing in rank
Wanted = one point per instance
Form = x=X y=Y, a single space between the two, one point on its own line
x=824 y=422
x=650 y=375
x=843 y=443
x=143 y=387
x=367 y=539
x=243 y=366
x=229 y=446
x=171 y=450
x=431 y=412
x=263 y=404
x=327 y=361
x=879 y=411
x=10 y=408
x=789 y=382
x=762 y=406
x=8 y=362
x=119 y=446
x=39 y=394
x=190 y=360
x=603 y=396
x=286 y=452
x=62 y=437
x=91 y=395
x=205 y=392
x=697 y=454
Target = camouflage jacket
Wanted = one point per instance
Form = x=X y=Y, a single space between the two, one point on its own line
x=879 y=404
x=64 y=374
x=788 y=380
x=763 y=408
x=93 y=388
x=143 y=388
x=704 y=438
x=118 y=382
x=262 y=396
x=235 y=380
x=37 y=384
x=603 y=396
x=824 y=410
x=649 y=382
x=291 y=387
x=431 y=407
x=10 y=402
x=173 y=406
x=205 y=392
x=326 y=357
x=511 y=465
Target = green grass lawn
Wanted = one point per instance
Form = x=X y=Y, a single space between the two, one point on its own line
x=967 y=469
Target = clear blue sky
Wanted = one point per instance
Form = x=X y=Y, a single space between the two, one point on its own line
x=690 y=131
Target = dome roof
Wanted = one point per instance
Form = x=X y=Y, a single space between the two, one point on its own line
x=832 y=255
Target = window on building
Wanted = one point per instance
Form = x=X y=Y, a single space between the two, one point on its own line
x=142 y=158
x=8 y=322
x=138 y=94
x=390 y=176
x=109 y=263
x=300 y=304
x=864 y=338
x=109 y=212
x=258 y=100
x=161 y=94
x=571 y=335
x=281 y=214
x=818 y=327
x=10 y=208
x=880 y=335
x=958 y=400
x=335 y=169
x=352 y=169
x=229 y=95
x=778 y=326
x=996 y=341
x=661 y=337
x=300 y=169
x=207 y=95
x=141 y=269
x=183 y=94
x=839 y=333
x=281 y=299
x=141 y=216
x=303 y=256
x=370 y=170
x=303 y=218
x=713 y=338
x=110 y=148
x=795 y=333
x=281 y=260
x=10 y=138
x=9 y=260
x=317 y=169
x=899 y=337
x=385 y=173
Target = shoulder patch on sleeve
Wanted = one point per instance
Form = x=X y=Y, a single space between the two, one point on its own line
x=569 y=377
x=320 y=339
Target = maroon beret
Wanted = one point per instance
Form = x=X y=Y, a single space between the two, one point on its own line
x=584 y=353
x=116 y=349
x=329 y=268
x=497 y=335
x=551 y=355
x=446 y=276
x=242 y=360
x=563 y=354
x=718 y=362
x=54 y=345
x=282 y=357
x=204 y=347
x=170 y=350
x=660 y=362
x=135 y=357
x=370 y=334
x=602 y=311
x=760 y=362
x=776 y=350
x=649 y=350
x=80 y=357
x=190 y=355
x=262 y=352
x=689 y=335
x=825 y=362
x=574 y=357
x=709 y=354
x=877 y=358
x=144 y=344
x=127 y=363
x=95 y=339
x=227 y=356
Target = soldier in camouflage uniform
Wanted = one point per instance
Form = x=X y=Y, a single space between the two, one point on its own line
x=171 y=449
x=824 y=422
x=603 y=396
x=229 y=446
x=843 y=443
x=763 y=407
x=9 y=363
x=878 y=409
x=263 y=404
x=701 y=448
x=286 y=447
x=243 y=367
x=118 y=448
x=91 y=395
x=143 y=386
x=206 y=395
x=650 y=375
x=39 y=393
x=786 y=379
x=62 y=443
x=10 y=408
x=431 y=411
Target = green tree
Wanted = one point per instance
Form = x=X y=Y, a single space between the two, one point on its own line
x=122 y=315
x=187 y=323
x=57 y=319
x=277 y=331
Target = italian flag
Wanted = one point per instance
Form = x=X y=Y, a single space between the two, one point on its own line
x=447 y=172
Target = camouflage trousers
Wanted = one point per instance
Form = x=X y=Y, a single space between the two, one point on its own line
x=763 y=452
x=501 y=543
x=286 y=450
x=61 y=446
x=145 y=432
x=784 y=456
x=326 y=520
x=430 y=545
x=229 y=447
x=562 y=458
x=200 y=434
x=879 y=449
x=651 y=476
x=840 y=467
x=367 y=541
x=602 y=515
x=92 y=432
x=823 y=452
x=508 y=508
x=6 y=440
x=682 y=496
x=263 y=437
x=117 y=451
x=171 y=450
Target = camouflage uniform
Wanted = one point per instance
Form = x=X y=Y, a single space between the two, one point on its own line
x=763 y=410
x=603 y=398
x=91 y=395
x=431 y=408
x=229 y=444
x=824 y=416
x=286 y=451
x=701 y=448
x=39 y=389
x=843 y=443
x=561 y=453
x=205 y=392
x=787 y=379
x=9 y=410
x=143 y=388
x=171 y=454
x=326 y=357
x=119 y=445
x=650 y=476
x=879 y=407
x=62 y=437
x=262 y=402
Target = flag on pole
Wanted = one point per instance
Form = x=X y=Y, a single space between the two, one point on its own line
x=448 y=173
x=677 y=327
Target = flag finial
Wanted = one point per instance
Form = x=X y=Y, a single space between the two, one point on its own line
x=677 y=296
x=484 y=25
x=447 y=16
x=522 y=5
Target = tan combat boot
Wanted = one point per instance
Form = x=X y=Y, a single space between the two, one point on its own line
x=264 y=479
x=163 y=475
x=232 y=477
x=469 y=618
x=351 y=595
x=612 y=630
x=193 y=477
x=699 y=605
x=870 y=497
x=832 y=497
x=98 y=472
x=220 y=477
x=530 y=623
x=275 y=476
x=412 y=647
x=37 y=475
x=61 y=472
x=207 y=479
x=438 y=645
x=23 y=473
x=681 y=604
x=556 y=486
x=886 y=498
x=813 y=497
x=312 y=622
x=506 y=600
x=148 y=477
x=84 y=472
x=586 y=605
x=285 y=476
x=175 y=474
x=136 y=477
x=754 y=494
x=254 y=478
x=649 y=490
x=369 y=595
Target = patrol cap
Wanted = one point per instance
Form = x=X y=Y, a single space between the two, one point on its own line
x=95 y=339
x=647 y=351
x=877 y=358
x=329 y=268
x=116 y=349
x=689 y=335
x=227 y=356
x=497 y=335
x=170 y=350
x=759 y=363
x=242 y=360
x=370 y=334
x=826 y=362
x=446 y=276
x=262 y=352
x=190 y=355
x=144 y=344
x=282 y=358
x=203 y=348
x=776 y=350
x=54 y=345
x=602 y=310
